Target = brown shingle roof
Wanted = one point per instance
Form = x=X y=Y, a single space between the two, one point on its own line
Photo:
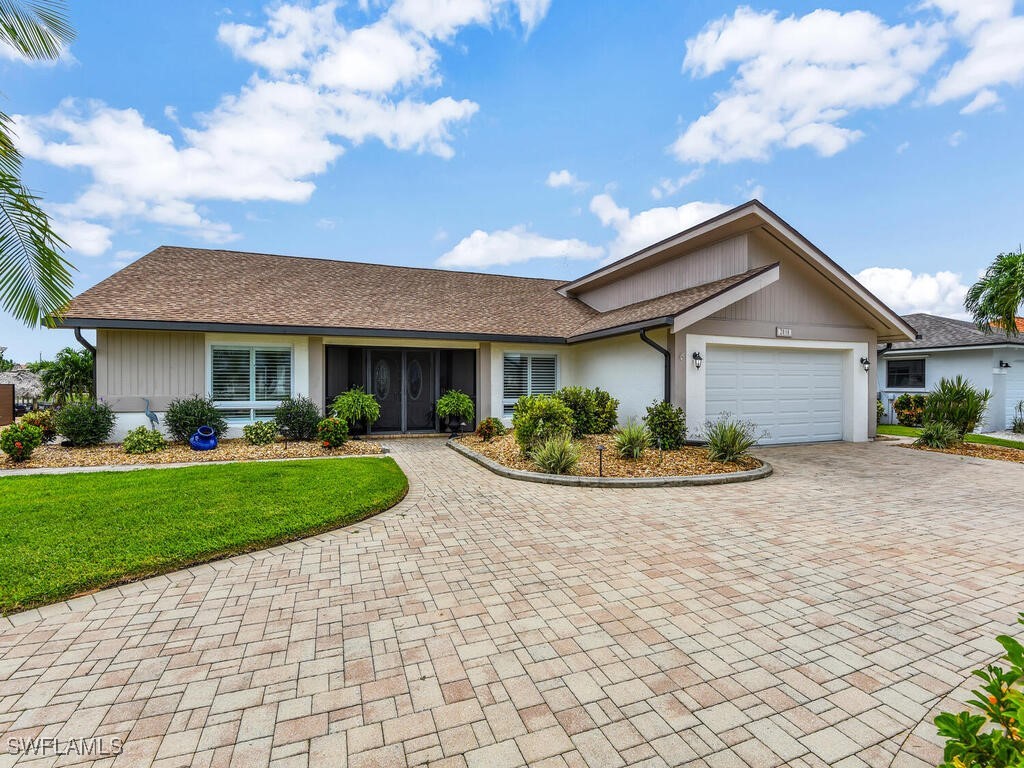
x=937 y=332
x=232 y=288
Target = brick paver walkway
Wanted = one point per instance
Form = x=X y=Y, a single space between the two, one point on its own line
x=814 y=618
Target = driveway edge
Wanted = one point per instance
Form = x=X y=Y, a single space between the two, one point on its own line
x=613 y=482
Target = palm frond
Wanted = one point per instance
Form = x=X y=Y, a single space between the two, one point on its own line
x=10 y=157
x=996 y=299
x=37 y=29
x=35 y=278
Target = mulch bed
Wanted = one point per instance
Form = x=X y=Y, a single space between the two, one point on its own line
x=51 y=456
x=687 y=461
x=977 y=450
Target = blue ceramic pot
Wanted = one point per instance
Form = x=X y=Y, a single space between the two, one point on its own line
x=203 y=440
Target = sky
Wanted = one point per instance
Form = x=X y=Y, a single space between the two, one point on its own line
x=528 y=137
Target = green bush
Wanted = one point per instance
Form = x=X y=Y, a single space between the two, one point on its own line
x=667 y=425
x=19 y=440
x=938 y=434
x=594 y=411
x=909 y=409
x=879 y=411
x=1001 y=701
x=260 y=432
x=356 y=408
x=332 y=432
x=1018 y=418
x=956 y=402
x=85 y=422
x=535 y=418
x=454 y=404
x=143 y=440
x=729 y=439
x=43 y=420
x=491 y=428
x=185 y=415
x=632 y=439
x=297 y=418
x=557 y=455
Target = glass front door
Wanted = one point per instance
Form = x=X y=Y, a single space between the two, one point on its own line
x=404 y=381
x=385 y=373
x=420 y=396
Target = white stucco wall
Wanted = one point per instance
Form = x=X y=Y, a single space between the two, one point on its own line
x=632 y=371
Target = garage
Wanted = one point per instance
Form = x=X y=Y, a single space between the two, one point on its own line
x=795 y=395
x=1014 y=389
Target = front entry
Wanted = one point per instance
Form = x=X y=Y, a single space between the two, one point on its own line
x=406 y=382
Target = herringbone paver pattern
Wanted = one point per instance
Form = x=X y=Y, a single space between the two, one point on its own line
x=811 y=619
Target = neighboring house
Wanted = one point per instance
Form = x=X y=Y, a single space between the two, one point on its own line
x=947 y=348
x=738 y=314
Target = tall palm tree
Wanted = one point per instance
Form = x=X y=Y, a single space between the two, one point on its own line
x=996 y=299
x=35 y=278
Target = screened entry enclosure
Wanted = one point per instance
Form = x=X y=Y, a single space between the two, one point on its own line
x=405 y=381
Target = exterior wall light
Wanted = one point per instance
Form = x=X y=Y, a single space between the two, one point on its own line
x=1004 y=364
x=698 y=360
x=865 y=364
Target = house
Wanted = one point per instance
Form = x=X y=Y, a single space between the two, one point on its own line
x=738 y=314
x=990 y=360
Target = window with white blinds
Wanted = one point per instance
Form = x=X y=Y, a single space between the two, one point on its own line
x=249 y=382
x=528 y=375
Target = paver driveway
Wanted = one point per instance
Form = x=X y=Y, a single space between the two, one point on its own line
x=814 y=618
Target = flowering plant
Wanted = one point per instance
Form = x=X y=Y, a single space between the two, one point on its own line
x=332 y=433
x=19 y=440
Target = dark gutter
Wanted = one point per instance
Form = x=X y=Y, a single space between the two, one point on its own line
x=622 y=330
x=92 y=350
x=668 y=363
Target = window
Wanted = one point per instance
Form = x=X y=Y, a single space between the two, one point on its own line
x=904 y=374
x=247 y=383
x=528 y=375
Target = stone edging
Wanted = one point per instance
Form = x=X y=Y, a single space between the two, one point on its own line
x=612 y=482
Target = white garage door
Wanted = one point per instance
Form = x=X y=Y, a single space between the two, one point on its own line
x=795 y=395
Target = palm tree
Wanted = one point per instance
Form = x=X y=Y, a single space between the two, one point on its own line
x=68 y=377
x=998 y=295
x=35 y=278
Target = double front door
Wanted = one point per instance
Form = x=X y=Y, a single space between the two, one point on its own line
x=404 y=381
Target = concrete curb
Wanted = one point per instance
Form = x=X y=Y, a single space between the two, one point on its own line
x=612 y=482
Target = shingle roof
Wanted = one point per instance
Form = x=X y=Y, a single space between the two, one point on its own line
x=937 y=332
x=232 y=288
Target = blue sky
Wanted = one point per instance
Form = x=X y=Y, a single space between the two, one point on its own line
x=532 y=137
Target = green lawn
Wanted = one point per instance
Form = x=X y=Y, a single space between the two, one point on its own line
x=900 y=431
x=66 y=534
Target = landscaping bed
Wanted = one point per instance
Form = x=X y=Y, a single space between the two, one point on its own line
x=978 y=451
x=55 y=456
x=65 y=535
x=687 y=461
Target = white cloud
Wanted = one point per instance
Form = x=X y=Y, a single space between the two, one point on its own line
x=902 y=147
x=955 y=139
x=513 y=246
x=668 y=187
x=326 y=223
x=984 y=99
x=650 y=226
x=564 y=178
x=797 y=78
x=320 y=88
x=83 y=237
x=941 y=293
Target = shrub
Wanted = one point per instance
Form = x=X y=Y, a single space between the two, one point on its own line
x=557 y=455
x=1018 y=418
x=143 y=440
x=43 y=420
x=260 y=432
x=185 y=415
x=454 y=404
x=356 y=407
x=667 y=425
x=19 y=440
x=938 y=434
x=594 y=411
x=729 y=439
x=1001 y=701
x=879 y=411
x=632 y=439
x=297 y=418
x=535 y=418
x=909 y=409
x=491 y=428
x=86 y=422
x=956 y=402
x=332 y=432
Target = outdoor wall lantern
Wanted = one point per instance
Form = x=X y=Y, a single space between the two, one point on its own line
x=865 y=364
x=698 y=360
x=1004 y=364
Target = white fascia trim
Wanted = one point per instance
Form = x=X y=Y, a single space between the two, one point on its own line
x=855 y=378
x=725 y=299
x=929 y=351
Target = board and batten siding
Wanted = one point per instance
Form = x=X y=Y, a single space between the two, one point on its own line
x=158 y=365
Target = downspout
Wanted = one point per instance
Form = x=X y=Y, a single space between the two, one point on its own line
x=668 y=362
x=92 y=350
